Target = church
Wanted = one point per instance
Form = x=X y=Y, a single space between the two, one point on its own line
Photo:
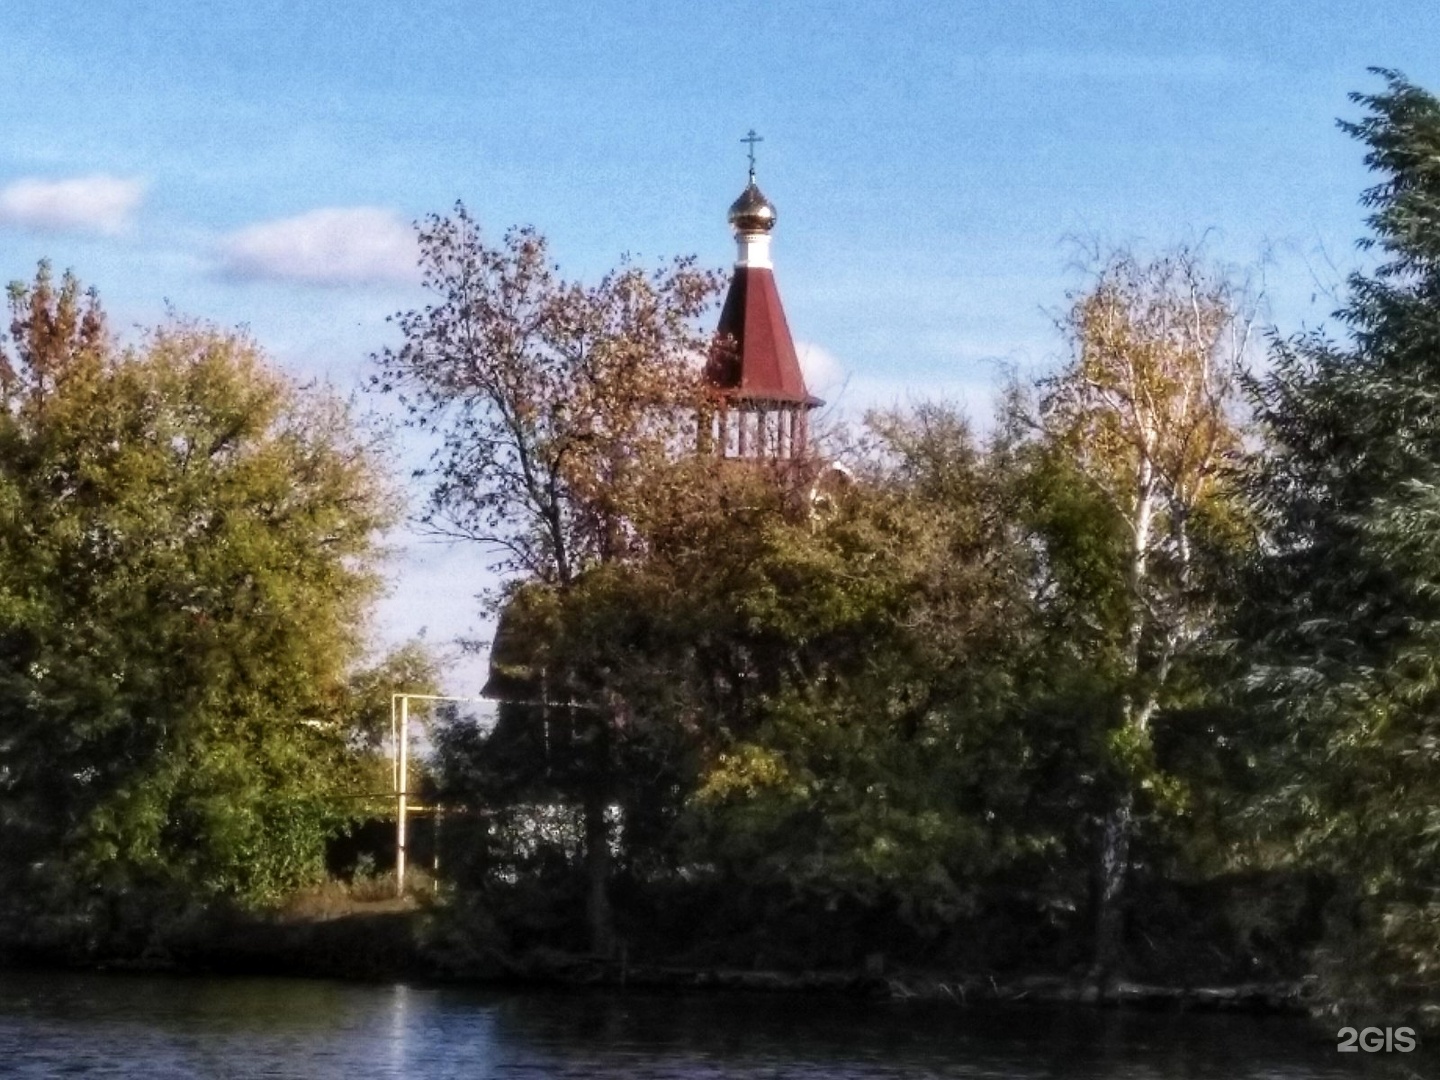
x=762 y=404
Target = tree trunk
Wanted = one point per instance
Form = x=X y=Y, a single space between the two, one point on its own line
x=1119 y=825
x=597 y=873
x=1114 y=867
x=597 y=836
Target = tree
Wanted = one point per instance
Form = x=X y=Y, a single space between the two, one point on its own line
x=860 y=661
x=188 y=545
x=554 y=404
x=550 y=398
x=1344 y=618
x=845 y=672
x=1144 y=414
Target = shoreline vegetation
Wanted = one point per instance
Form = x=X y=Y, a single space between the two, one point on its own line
x=359 y=931
x=399 y=942
x=1131 y=699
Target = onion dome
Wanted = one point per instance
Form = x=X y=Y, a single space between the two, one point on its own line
x=752 y=212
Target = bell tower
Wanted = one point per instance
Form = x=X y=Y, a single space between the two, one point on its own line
x=762 y=406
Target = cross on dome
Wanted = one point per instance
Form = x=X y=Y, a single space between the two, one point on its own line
x=751 y=138
x=752 y=213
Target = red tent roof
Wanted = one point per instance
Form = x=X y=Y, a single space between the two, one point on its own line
x=761 y=365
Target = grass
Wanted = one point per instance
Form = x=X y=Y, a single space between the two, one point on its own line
x=365 y=893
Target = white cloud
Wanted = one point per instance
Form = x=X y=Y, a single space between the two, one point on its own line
x=821 y=368
x=332 y=246
x=98 y=204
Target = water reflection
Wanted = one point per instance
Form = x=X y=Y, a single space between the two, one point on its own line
x=399 y=1027
x=131 y=1027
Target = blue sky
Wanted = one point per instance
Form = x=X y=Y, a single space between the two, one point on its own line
x=261 y=163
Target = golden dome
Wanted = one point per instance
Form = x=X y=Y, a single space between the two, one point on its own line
x=752 y=211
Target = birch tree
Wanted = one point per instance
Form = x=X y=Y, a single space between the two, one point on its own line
x=1145 y=410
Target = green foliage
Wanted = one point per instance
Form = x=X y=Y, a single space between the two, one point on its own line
x=1345 y=618
x=187 y=552
x=902 y=700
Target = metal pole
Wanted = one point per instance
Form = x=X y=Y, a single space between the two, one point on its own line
x=402 y=792
x=435 y=860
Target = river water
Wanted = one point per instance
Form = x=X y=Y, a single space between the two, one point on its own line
x=160 y=1028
